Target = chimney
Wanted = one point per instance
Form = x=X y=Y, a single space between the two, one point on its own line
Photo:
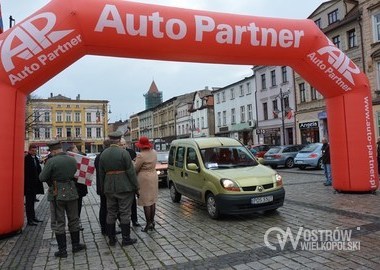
x=51 y=95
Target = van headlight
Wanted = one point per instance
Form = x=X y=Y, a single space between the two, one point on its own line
x=278 y=180
x=229 y=185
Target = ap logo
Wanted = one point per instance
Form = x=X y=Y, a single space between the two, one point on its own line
x=340 y=61
x=27 y=40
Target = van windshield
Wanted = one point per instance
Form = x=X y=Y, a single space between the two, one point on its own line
x=227 y=157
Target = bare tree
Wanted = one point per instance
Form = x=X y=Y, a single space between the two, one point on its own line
x=33 y=114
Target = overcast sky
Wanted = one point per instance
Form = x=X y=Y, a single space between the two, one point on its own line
x=123 y=81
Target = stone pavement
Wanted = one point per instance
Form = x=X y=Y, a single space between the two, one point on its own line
x=186 y=238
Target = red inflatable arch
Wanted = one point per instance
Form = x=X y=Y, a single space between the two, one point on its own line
x=62 y=32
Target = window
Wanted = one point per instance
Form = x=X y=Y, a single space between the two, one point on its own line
x=265 y=110
x=376 y=27
x=273 y=77
x=77 y=132
x=284 y=73
x=333 y=16
x=302 y=92
x=313 y=93
x=233 y=117
x=47 y=116
x=351 y=38
x=59 y=117
x=47 y=133
x=249 y=111
x=241 y=90
x=218 y=98
x=232 y=93
x=68 y=116
x=98 y=132
x=286 y=102
x=88 y=117
x=224 y=118
x=171 y=155
x=36 y=133
x=223 y=96
x=378 y=75
x=68 y=132
x=77 y=116
x=275 y=108
x=36 y=116
x=89 y=133
x=263 y=82
x=249 y=91
x=198 y=126
x=219 y=119
x=318 y=23
x=180 y=157
x=191 y=157
x=197 y=104
x=59 y=132
x=203 y=122
x=336 y=41
x=242 y=114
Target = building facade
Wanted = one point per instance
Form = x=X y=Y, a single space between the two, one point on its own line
x=276 y=105
x=235 y=110
x=340 y=20
x=82 y=122
x=202 y=114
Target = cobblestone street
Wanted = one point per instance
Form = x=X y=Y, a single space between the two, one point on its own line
x=186 y=238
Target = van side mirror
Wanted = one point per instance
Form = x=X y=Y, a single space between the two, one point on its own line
x=193 y=167
x=260 y=160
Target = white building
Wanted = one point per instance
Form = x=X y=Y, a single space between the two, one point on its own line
x=235 y=110
x=275 y=105
x=202 y=114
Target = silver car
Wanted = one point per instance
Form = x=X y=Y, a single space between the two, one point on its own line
x=309 y=156
x=282 y=155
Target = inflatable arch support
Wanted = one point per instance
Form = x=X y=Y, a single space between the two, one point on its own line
x=63 y=31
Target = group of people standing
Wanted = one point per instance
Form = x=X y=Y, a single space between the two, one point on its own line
x=121 y=177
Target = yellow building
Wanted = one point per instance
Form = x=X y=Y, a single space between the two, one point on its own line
x=82 y=122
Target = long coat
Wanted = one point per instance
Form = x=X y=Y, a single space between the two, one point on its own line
x=115 y=159
x=32 y=170
x=147 y=176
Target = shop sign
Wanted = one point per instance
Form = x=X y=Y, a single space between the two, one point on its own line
x=307 y=125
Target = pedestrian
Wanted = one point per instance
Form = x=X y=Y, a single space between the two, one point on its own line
x=326 y=162
x=58 y=173
x=378 y=155
x=119 y=184
x=148 y=181
x=81 y=188
x=32 y=185
x=99 y=191
x=133 y=155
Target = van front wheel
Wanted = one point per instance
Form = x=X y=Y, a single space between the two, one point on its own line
x=174 y=194
x=212 y=207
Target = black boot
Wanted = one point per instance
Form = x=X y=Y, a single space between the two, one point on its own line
x=61 y=240
x=111 y=231
x=75 y=242
x=126 y=233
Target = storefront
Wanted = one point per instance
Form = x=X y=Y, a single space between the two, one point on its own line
x=269 y=136
x=309 y=132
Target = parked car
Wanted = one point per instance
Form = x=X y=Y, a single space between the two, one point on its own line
x=309 y=156
x=162 y=166
x=223 y=174
x=281 y=156
x=259 y=150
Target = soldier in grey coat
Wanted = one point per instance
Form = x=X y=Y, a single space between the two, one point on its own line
x=58 y=173
x=119 y=184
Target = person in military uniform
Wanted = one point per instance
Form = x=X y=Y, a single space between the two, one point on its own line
x=58 y=173
x=119 y=184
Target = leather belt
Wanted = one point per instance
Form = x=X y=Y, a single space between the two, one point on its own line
x=115 y=172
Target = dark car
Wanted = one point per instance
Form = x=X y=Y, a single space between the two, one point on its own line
x=259 y=150
x=282 y=155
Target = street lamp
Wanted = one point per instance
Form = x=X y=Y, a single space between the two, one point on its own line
x=282 y=95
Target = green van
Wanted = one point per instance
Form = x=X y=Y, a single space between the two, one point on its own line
x=223 y=174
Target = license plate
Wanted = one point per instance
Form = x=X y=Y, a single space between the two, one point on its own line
x=299 y=161
x=260 y=200
x=268 y=157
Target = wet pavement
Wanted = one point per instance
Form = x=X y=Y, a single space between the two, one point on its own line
x=186 y=238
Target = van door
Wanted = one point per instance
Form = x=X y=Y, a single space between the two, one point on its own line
x=192 y=179
x=177 y=173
